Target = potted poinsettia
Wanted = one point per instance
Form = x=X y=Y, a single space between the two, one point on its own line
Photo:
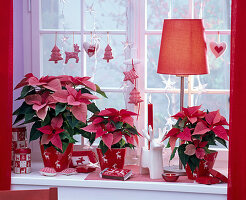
x=56 y=107
x=197 y=130
x=116 y=131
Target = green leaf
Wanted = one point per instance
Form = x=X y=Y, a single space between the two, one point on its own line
x=173 y=153
x=207 y=150
x=27 y=90
x=84 y=90
x=19 y=118
x=72 y=121
x=182 y=123
x=99 y=91
x=35 y=134
x=64 y=146
x=103 y=147
x=168 y=145
x=29 y=114
x=60 y=107
x=34 y=119
x=193 y=162
x=183 y=157
x=93 y=108
x=46 y=120
x=221 y=141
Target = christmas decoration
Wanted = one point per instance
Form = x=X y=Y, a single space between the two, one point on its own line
x=218 y=49
x=218 y=175
x=208 y=180
x=55 y=55
x=19 y=140
x=22 y=161
x=116 y=174
x=152 y=159
x=90 y=48
x=135 y=97
x=170 y=177
x=130 y=75
x=207 y=127
x=108 y=53
x=73 y=54
x=60 y=95
x=69 y=171
x=48 y=171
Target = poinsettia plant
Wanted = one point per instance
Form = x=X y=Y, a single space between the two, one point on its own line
x=56 y=106
x=197 y=130
x=115 y=128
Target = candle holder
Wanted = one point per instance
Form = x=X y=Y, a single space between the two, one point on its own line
x=170 y=177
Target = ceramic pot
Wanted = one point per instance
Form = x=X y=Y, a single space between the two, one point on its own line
x=54 y=159
x=114 y=158
x=204 y=166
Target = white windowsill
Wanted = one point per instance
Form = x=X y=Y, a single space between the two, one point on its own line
x=78 y=180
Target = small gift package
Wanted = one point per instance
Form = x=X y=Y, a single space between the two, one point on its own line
x=22 y=161
x=19 y=140
x=117 y=174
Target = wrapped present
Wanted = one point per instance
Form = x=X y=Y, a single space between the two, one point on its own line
x=117 y=174
x=218 y=175
x=22 y=161
x=19 y=140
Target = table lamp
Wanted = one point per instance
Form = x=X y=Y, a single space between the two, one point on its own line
x=182 y=53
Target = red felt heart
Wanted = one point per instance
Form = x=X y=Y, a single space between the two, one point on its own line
x=217 y=49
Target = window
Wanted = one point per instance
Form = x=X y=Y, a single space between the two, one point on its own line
x=139 y=22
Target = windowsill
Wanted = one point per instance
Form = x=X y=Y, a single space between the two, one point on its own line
x=78 y=180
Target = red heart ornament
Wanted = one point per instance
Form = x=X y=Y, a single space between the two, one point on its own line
x=90 y=48
x=218 y=49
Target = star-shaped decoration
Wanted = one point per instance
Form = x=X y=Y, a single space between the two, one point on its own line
x=168 y=83
x=169 y=121
x=90 y=9
x=127 y=44
x=201 y=88
x=130 y=75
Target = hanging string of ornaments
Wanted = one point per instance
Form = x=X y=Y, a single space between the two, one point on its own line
x=218 y=49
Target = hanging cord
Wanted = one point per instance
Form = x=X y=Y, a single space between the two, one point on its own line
x=73 y=38
x=55 y=38
x=218 y=37
x=108 y=37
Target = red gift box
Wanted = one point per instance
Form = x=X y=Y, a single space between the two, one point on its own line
x=117 y=174
x=218 y=175
x=22 y=161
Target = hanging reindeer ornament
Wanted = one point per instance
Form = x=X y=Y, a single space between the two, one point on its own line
x=74 y=54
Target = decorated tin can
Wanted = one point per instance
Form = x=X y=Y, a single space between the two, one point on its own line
x=22 y=162
x=19 y=140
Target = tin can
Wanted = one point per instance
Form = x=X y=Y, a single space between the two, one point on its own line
x=22 y=161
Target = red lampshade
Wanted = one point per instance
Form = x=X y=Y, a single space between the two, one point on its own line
x=183 y=48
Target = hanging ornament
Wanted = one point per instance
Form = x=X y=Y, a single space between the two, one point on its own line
x=108 y=51
x=55 y=55
x=74 y=54
x=130 y=75
x=135 y=97
x=90 y=48
x=218 y=49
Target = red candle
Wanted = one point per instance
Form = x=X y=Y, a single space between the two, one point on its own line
x=150 y=116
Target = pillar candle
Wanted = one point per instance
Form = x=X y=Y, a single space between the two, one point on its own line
x=150 y=116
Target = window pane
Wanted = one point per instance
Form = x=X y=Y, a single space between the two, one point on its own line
x=219 y=76
x=180 y=9
x=62 y=14
x=114 y=100
x=155 y=80
x=108 y=74
x=157 y=10
x=60 y=68
x=216 y=13
x=110 y=14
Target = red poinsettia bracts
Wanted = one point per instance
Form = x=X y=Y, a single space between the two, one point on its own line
x=41 y=103
x=213 y=122
x=51 y=132
x=196 y=148
x=192 y=113
x=103 y=125
x=76 y=99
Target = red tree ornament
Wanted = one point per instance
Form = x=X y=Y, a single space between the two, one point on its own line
x=108 y=53
x=55 y=55
x=135 y=97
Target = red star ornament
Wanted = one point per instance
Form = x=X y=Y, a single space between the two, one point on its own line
x=130 y=75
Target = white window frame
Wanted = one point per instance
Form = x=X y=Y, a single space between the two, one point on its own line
x=137 y=32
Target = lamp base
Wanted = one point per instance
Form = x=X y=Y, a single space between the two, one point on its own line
x=175 y=169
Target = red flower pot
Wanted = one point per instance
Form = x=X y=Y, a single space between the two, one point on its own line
x=114 y=158
x=55 y=159
x=204 y=166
